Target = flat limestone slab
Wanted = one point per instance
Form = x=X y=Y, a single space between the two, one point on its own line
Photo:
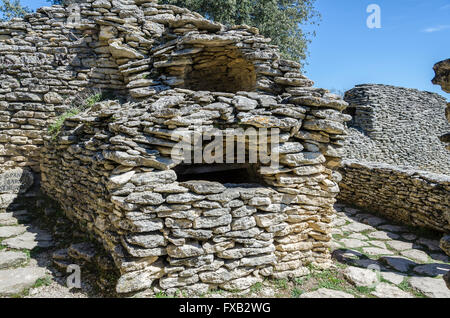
x=12 y=259
x=430 y=287
x=10 y=231
x=14 y=281
x=29 y=240
x=13 y=218
x=326 y=293
x=384 y=290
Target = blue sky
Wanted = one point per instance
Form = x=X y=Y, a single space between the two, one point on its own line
x=414 y=36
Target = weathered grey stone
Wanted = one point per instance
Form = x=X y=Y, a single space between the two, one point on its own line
x=326 y=293
x=211 y=222
x=445 y=244
x=14 y=281
x=432 y=270
x=12 y=259
x=10 y=231
x=430 y=287
x=360 y=276
x=416 y=255
x=185 y=251
x=400 y=264
x=204 y=187
x=30 y=240
x=139 y=280
x=148 y=198
x=394 y=278
x=384 y=290
x=241 y=283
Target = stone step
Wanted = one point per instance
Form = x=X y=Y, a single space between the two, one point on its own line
x=13 y=218
x=29 y=240
x=12 y=259
x=15 y=281
x=11 y=231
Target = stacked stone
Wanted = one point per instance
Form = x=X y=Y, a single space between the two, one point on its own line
x=111 y=168
x=442 y=78
x=44 y=65
x=111 y=171
x=398 y=126
x=53 y=59
x=412 y=197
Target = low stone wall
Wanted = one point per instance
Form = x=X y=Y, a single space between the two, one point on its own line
x=412 y=197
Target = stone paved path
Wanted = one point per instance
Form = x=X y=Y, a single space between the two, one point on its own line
x=19 y=240
x=25 y=259
x=395 y=260
x=370 y=252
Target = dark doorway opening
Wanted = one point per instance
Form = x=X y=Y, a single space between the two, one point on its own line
x=222 y=173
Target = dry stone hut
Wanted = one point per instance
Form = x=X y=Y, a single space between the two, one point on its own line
x=116 y=169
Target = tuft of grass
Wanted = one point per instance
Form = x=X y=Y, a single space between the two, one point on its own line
x=92 y=100
x=55 y=128
x=256 y=288
x=281 y=283
x=365 y=290
x=161 y=295
x=297 y=292
x=45 y=281
x=407 y=288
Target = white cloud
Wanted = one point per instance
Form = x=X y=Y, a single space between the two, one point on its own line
x=436 y=28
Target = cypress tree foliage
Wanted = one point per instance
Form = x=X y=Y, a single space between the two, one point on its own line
x=12 y=9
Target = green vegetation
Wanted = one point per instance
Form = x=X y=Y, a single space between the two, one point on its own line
x=407 y=288
x=46 y=281
x=55 y=128
x=12 y=9
x=281 y=283
x=280 y=20
x=256 y=288
x=161 y=295
x=297 y=292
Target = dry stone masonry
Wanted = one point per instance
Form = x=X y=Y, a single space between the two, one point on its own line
x=398 y=126
x=112 y=167
x=111 y=171
x=395 y=163
x=416 y=198
x=442 y=78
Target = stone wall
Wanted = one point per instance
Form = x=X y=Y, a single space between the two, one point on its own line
x=112 y=167
x=413 y=197
x=111 y=171
x=398 y=126
x=442 y=78
x=54 y=59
